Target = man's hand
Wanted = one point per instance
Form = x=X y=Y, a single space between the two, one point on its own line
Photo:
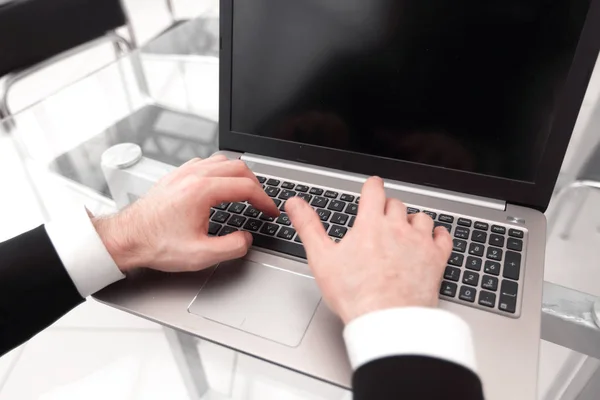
x=388 y=259
x=167 y=229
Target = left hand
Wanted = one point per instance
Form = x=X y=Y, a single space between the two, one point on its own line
x=167 y=229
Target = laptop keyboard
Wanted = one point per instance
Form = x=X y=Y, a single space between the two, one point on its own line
x=484 y=269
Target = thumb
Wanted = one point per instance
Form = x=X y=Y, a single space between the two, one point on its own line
x=308 y=225
x=229 y=247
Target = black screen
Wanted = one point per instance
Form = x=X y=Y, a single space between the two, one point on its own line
x=469 y=85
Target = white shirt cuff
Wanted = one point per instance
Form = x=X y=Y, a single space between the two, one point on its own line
x=410 y=331
x=82 y=253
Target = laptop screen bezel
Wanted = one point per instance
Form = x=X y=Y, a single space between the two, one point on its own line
x=534 y=194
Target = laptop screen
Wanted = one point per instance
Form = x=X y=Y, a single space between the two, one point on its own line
x=469 y=85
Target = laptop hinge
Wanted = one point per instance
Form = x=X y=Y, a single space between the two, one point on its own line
x=391 y=184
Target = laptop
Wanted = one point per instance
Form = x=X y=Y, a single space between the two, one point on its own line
x=465 y=108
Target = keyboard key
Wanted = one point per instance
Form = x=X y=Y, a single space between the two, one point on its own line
x=281 y=246
x=459 y=245
x=452 y=274
x=331 y=194
x=253 y=225
x=487 y=299
x=489 y=283
x=284 y=220
x=269 y=229
x=514 y=244
x=325 y=226
x=446 y=218
x=476 y=249
x=448 y=289
x=265 y=217
x=410 y=210
x=347 y=197
x=508 y=296
x=323 y=214
x=272 y=191
x=431 y=214
x=498 y=229
x=237 y=208
x=211 y=212
x=465 y=222
x=479 y=236
x=462 y=233
x=336 y=205
x=316 y=191
x=282 y=206
x=447 y=226
x=320 y=202
x=221 y=217
x=339 y=219
x=273 y=182
x=287 y=194
x=222 y=206
x=261 y=179
x=338 y=231
x=357 y=200
x=286 y=233
x=302 y=188
x=516 y=233
x=277 y=202
x=252 y=212
x=496 y=240
x=351 y=223
x=474 y=263
x=304 y=196
x=237 y=221
x=471 y=278
x=512 y=265
x=227 y=230
x=456 y=259
x=481 y=225
x=467 y=294
x=352 y=209
x=287 y=185
x=213 y=228
x=491 y=267
x=494 y=254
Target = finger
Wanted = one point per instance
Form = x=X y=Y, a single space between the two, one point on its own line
x=191 y=162
x=234 y=168
x=422 y=222
x=229 y=247
x=396 y=210
x=442 y=238
x=215 y=158
x=372 y=199
x=220 y=190
x=308 y=225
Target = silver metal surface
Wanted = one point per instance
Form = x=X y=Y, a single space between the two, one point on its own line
x=394 y=185
x=263 y=300
x=507 y=348
x=568 y=319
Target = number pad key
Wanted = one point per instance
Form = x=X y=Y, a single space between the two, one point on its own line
x=474 y=263
x=514 y=244
x=494 y=254
x=467 y=293
x=456 y=259
x=492 y=268
x=479 y=236
x=487 y=299
x=476 y=249
x=459 y=245
x=452 y=274
x=496 y=240
x=489 y=283
x=508 y=296
x=471 y=278
x=512 y=265
x=448 y=289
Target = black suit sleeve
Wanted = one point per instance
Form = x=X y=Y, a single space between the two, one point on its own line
x=35 y=288
x=414 y=377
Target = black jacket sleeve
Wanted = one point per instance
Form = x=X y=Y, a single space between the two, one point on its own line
x=35 y=288
x=414 y=377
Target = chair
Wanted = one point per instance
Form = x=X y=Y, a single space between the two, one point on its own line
x=38 y=33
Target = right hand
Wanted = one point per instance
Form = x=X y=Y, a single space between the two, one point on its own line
x=387 y=260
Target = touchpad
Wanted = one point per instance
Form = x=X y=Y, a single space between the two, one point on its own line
x=259 y=299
